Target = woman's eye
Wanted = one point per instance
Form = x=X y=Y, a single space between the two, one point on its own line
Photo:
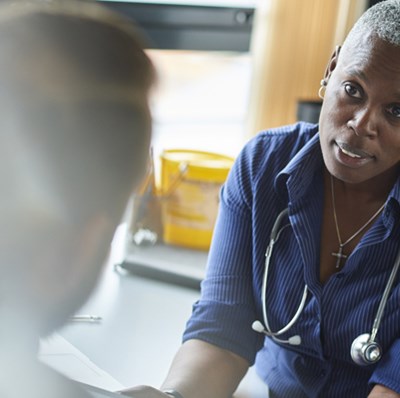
x=352 y=91
x=395 y=111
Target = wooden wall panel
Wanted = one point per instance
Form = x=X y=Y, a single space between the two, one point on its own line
x=291 y=45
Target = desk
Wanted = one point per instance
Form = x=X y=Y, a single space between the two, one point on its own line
x=141 y=330
x=179 y=266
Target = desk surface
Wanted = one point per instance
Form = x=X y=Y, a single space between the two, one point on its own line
x=141 y=329
x=180 y=266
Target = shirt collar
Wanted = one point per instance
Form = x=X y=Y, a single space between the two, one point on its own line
x=392 y=208
x=395 y=192
x=294 y=179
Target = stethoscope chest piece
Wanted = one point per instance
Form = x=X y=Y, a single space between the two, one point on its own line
x=364 y=351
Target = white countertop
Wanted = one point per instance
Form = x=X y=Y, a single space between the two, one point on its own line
x=140 y=331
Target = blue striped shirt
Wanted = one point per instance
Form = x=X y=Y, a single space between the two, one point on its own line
x=278 y=169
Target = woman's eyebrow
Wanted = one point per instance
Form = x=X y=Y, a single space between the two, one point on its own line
x=352 y=71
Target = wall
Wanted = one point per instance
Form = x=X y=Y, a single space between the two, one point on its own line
x=292 y=42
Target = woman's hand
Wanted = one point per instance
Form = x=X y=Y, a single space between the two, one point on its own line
x=380 y=391
x=199 y=370
x=144 y=392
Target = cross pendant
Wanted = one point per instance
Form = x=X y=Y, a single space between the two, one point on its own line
x=339 y=255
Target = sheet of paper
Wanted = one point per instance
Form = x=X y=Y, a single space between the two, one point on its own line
x=62 y=356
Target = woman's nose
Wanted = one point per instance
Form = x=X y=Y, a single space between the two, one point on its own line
x=364 y=122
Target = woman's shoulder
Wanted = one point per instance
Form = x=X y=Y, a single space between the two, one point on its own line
x=298 y=133
x=277 y=145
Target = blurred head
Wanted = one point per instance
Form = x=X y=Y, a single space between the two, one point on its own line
x=360 y=116
x=75 y=131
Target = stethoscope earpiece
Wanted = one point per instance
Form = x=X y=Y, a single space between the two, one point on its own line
x=258 y=327
x=364 y=351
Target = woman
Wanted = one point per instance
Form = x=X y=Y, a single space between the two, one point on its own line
x=335 y=246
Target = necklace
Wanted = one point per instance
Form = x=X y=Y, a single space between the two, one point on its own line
x=339 y=255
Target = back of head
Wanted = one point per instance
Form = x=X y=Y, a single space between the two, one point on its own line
x=75 y=129
x=381 y=21
x=72 y=74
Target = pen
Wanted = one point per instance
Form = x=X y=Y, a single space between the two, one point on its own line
x=85 y=318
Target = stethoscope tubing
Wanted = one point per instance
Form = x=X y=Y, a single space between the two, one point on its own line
x=275 y=233
x=385 y=296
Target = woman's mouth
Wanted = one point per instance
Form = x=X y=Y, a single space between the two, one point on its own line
x=351 y=156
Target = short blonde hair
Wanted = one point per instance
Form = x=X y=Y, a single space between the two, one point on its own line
x=74 y=85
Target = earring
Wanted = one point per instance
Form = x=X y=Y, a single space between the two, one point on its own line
x=322 y=89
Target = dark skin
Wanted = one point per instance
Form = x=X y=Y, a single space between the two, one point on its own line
x=360 y=141
x=351 y=216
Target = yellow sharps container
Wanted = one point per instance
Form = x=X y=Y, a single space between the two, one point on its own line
x=190 y=184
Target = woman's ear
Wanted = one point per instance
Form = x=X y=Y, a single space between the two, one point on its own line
x=51 y=266
x=76 y=257
x=331 y=65
x=64 y=273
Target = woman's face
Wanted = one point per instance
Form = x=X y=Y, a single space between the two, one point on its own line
x=360 y=116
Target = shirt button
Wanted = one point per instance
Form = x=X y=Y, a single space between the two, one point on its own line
x=339 y=276
x=322 y=373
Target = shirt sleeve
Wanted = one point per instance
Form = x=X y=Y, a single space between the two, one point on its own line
x=388 y=370
x=225 y=312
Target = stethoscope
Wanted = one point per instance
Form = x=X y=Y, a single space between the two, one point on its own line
x=364 y=349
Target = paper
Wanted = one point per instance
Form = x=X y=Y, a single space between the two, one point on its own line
x=62 y=356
